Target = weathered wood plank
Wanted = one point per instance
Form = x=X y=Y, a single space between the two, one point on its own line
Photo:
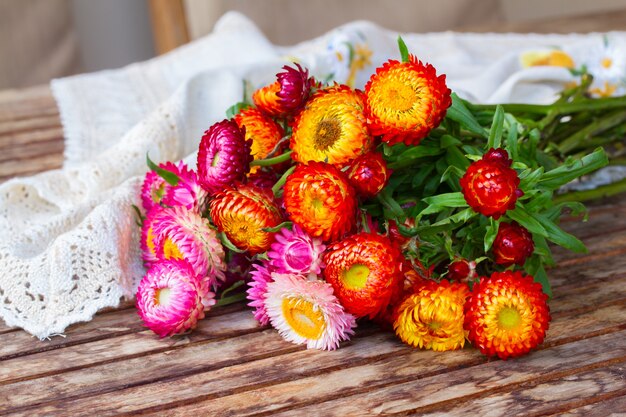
x=613 y=407
x=26 y=153
x=549 y=397
x=417 y=379
x=42 y=122
x=276 y=369
x=108 y=324
x=167 y=365
x=16 y=168
x=26 y=103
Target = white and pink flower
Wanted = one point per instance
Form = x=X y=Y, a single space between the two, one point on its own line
x=307 y=312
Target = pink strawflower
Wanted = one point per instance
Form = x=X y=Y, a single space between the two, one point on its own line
x=306 y=311
x=184 y=234
x=154 y=187
x=257 y=288
x=187 y=193
x=224 y=156
x=171 y=298
x=295 y=252
x=149 y=240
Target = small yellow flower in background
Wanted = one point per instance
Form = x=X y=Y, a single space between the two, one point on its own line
x=432 y=318
x=607 y=90
x=554 y=58
x=360 y=59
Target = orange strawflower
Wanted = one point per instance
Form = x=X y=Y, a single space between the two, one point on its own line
x=365 y=271
x=242 y=212
x=432 y=317
x=405 y=101
x=267 y=101
x=507 y=314
x=264 y=132
x=319 y=199
x=331 y=127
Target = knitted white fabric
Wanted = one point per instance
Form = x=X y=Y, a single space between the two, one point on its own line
x=68 y=239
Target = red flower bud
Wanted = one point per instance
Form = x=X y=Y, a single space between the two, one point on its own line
x=461 y=270
x=368 y=174
x=490 y=186
x=513 y=244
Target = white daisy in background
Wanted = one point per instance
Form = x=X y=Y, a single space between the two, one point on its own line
x=606 y=61
x=307 y=312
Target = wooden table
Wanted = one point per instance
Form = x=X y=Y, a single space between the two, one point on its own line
x=231 y=366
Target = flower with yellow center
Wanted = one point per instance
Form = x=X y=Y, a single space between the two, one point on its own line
x=405 y=101
x=507 y=314
x=331 y=127
x=319 y=199
x=307 y=312
x=432 y=317
x=242 y=212
x=365 y=272
x=263 y=131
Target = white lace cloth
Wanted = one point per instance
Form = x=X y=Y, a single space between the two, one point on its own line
x=68 y=240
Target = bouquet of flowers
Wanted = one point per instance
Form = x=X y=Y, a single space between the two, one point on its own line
x=401 y=204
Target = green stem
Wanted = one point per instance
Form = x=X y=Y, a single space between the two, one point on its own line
x=230 y=299
x=579 y=138
x=561 y=108
x=281 y=181
x=272 y=161
x=607 y=190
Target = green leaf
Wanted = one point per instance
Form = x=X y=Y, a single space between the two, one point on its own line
x=447 y=141
x=559 y=236
x=140 y=218
x=521 y=216
x=392 y=205
x=404 y=51
x=574 y=168
x=511 y=141
x=459 y=113
x=408 y=157
x=275 y=229
x=169 y=177
x=447 y=200
x=233 y=110
x=460 y=217
x=456 y=158
x=529 y=178
x=497 y=127
x=535 y=268
x=228 y=244
x=491 y=233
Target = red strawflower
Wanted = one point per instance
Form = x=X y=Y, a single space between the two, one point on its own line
x=507 y=314
x=490 y=185
x=223 y=157
x=365 y=271
x=513 y=244
x=319 y=198
x=369 y=174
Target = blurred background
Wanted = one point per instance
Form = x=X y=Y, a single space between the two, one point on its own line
x=44 y=39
